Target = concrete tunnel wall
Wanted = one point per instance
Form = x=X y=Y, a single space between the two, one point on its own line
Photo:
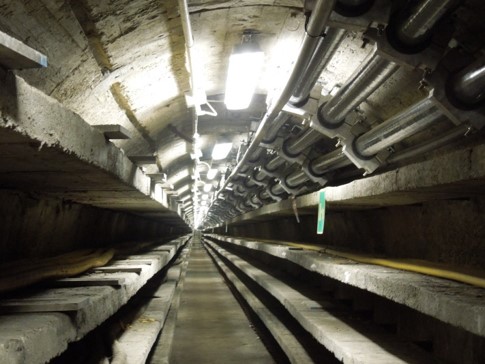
x=34 y=226
x=450 y=231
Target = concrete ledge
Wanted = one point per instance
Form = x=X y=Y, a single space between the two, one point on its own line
x=39 y=337
x=47 y=148
x=454 y=303
x=288 y=343
x=349 y=340
x=463 y=176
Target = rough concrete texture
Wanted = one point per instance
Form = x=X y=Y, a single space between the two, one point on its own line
x=350 y=341
x=50 y=333
x=137 y=341
x=162 y=349
x=420 y=211
x=286 y=340
x=34 y=226
x=48 y=148
x=458 y=304
x=34 y=338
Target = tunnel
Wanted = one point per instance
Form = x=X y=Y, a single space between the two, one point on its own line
x=242 y=181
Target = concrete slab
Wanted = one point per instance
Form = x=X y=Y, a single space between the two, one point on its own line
x=454 y=303
x=58 y=154
x=349 y=340
x=113 y=131
x=16 y=55
x=293 y=349
x=38 y=337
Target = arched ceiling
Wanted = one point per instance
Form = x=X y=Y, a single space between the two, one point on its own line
x=124 y=62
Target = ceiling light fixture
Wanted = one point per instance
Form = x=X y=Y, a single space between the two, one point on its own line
x=245 y=65
x=221 y=150
x=211 y=174
x=207 y=187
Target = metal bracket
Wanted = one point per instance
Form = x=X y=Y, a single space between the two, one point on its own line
x=346 y=138
x=475 y=117
x=426 y=60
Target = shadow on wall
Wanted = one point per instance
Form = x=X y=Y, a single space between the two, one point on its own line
x=33 y=226
x=448 y=231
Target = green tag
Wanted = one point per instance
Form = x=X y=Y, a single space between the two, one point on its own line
x=321 y=212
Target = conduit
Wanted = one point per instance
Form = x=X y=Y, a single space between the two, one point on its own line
x=315 y=27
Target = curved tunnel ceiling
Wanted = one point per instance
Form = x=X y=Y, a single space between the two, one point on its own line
x=124 y=62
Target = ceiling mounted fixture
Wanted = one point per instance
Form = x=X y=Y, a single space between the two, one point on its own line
x=221 y=151
x=245 y=65
x=207 y=187
x=211 y=174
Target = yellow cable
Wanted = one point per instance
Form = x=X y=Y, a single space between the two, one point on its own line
x=470 y=276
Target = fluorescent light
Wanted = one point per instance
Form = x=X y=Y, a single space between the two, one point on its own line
x=221 y=150
x=207 y=187
x=205 y=197
x=203 y=203
x=210 y=175
x=245 y=65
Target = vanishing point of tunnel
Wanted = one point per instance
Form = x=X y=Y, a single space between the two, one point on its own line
x=242 y=181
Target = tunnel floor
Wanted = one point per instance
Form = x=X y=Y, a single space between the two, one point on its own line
x=211 y=325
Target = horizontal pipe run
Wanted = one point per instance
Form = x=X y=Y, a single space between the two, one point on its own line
x=275 y=163
x=296 y=179
x=468 y=86
x=410 y=121
x=428 y=146
x=320 y=59
x=315 y=27
x=277 y=190
x=323 y=163
x=275 y=127
x=416 y=28
x=295 y=146
x=375 y=70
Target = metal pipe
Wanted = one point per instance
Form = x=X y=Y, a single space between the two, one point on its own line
x=315 y=28
x=277 y=190
x=296 y=179
x=323 y=163
x=297 y=145
x=353 y=8
x=274 y=164
x=441 y=140
x=468 y=86
x=320 y=59
x=375 y=70
x=275 y=127
x=416 y=28
x=398 y=127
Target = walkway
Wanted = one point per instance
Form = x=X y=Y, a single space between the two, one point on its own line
x=211 y=326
